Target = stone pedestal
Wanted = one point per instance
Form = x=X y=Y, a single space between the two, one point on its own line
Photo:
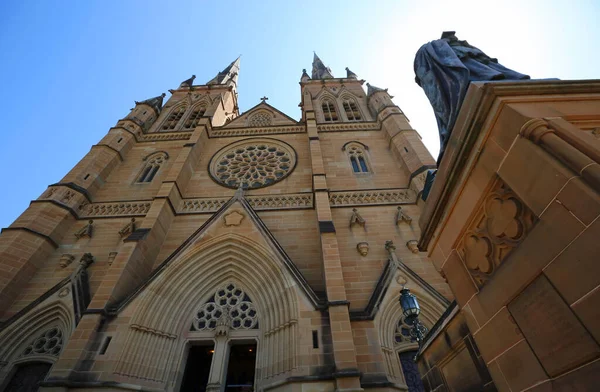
x=512 y=223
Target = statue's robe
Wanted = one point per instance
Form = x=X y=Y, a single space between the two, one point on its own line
x=444 y=68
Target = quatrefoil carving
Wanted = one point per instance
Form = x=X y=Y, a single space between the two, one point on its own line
x=500 y=225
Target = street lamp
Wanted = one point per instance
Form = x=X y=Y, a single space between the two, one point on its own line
x=411 y=310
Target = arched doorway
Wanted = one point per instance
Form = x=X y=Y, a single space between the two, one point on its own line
x=27 y=377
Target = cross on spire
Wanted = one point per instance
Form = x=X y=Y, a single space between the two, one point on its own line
x=264 y=99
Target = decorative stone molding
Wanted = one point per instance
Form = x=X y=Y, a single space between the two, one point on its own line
x=356 y=219
x=501 y=223
x=65 y=260
x=234 y=218
x=202 y=205
x=359 y=126
x=163 y=136
x=127 y=229
x=85 y=231
x=230 y=132
x=362 y=248
x=402 y=216
x=291 y=201
x=355 y=198
x=111 y=257
x=259 y=203
x=116 y=209
x=412 y=245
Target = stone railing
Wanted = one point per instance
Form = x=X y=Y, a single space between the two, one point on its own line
x=388 y=196
x=259 y=203
x=162 y=136
x=273 y=130
x=133 y=208
x=340 y=127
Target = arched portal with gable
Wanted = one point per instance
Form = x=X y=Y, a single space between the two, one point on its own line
x=223 y=292
x=397 y=344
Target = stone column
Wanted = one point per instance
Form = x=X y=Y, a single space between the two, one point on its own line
x=218 y=368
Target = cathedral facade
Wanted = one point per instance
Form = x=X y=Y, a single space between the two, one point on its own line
x=197 y=248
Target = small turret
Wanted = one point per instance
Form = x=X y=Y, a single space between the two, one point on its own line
x=188 y=82
x=350 y=74
x=378 y=98
x=146 y=112
x=304 y=77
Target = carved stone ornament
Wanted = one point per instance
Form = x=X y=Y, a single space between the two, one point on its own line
x=64 y=292
x=111 y=257
x=362 y=248
x=501 y=223
x=127 y=229
x=233 y=218
x=356 y=219
x=401 y=216
x=85 y=231
x=86 y=260
x=412 y=246
x=65 y=260
x=389 y=246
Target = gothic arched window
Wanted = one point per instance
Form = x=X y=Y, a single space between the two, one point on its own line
x=329 y=112
x=260 y=119
x=173 y=118
x=351 y=109
x=154 y=161
x=358 y=157
x=192 y=121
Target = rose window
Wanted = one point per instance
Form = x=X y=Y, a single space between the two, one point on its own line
x=253 y=164
x=229 y=307
x=49 y=343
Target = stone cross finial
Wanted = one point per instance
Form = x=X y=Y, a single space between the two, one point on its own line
x=264 y=99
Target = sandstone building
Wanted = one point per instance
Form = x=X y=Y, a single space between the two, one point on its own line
x=199 y=248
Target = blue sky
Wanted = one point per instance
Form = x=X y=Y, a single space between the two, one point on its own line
x=71 y=69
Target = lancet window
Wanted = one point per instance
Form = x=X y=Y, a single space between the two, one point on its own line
x=192 y=121
x=229 y=307
x=173 y=118
x=358 y=157
x=329 y=112
x=351 y=109
x=152 y=166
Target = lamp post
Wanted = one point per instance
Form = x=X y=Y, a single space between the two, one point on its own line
x=411 y=310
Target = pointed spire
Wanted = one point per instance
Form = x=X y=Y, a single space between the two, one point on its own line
x=319 y=70
x=304 y=77
x=229 y=74
x=155 y=103
x=350 y=74
x=188 y=82
x=372 y=89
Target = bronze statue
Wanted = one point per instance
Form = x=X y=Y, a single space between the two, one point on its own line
x=444 y=68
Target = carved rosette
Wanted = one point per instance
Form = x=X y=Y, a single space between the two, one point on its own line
x=500 y=225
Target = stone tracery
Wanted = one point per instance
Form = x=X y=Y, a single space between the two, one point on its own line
x=253 y=164
x=50 y=342
x=229 y=304
x=260 y=119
